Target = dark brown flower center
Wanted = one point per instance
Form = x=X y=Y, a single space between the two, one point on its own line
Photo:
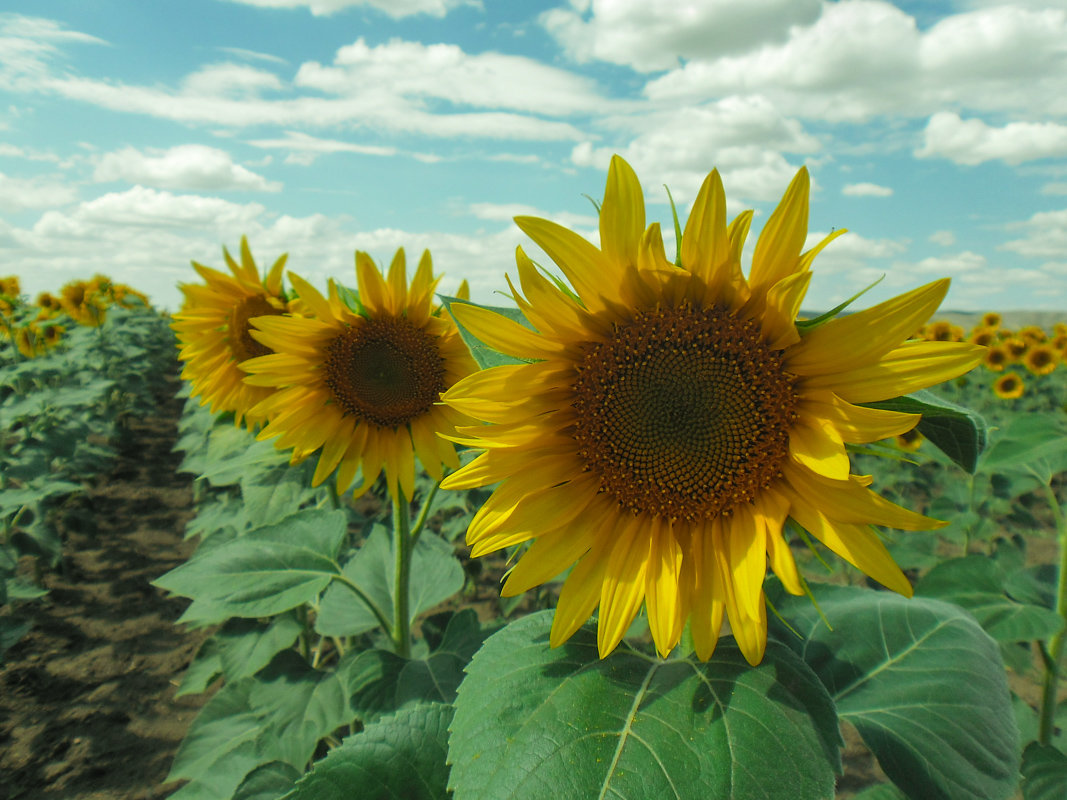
x=684 y=413
x=242 y=345
x=385 y=370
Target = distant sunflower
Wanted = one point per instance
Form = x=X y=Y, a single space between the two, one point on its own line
x=991 y=319
x=671 y=419
x=941 y=331
x=213 y=331
x=996 y=358
x=1008 y=386
x=364 y=387
x=1033 y=334
x=983 y=337
x=1016 y=347
x=83 y=302
x=1041 y=359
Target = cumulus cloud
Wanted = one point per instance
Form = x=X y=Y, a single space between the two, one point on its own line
x=394 y=8
x=20 y=194
x=973 y=142
x=866 y=190
x=1045 y=235
x=654 y=36
x=868 y=57
x=943 y=238
x=188 y=166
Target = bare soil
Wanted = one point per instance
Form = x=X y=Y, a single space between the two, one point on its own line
x=87 y=706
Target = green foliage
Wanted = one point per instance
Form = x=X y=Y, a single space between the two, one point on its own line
x=922 y=683
x=401 y=757
x=482 y=353
x=533 y=722
x=1044 y=773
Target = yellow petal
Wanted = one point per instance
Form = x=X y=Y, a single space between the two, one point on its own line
x=623 y=589
x=782 y=307
x=708 y=597
x=778 y=247
x=857 y=340
x=398 y=283
x=750 y=633
x=333 y=450
x=372 y=288
x=774 y=508
x=663 y=598
x=502 y=334
x=593 y=275
x=746 y=536
x=274 y=277
x=622 y=214
x=816 y=444
x=580 y=595
x=856 y=424
x=318 y=304
x=850 y=501
x=912 y=366
x=705 y=243
x=547 y=557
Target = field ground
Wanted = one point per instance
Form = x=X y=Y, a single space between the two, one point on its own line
x=87 y=706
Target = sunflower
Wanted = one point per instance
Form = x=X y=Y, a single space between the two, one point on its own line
x=1033 y=334
x=671 y=419
x=10 y=287
x=364 y=386
x=941 y=331
x=84 y=303
x=1008 y=386
x=213 y=331
x=991 y=319
x=1041 y=359
x=996 y=358
x=48 y=302
x=1016 y=347
x=983 y=337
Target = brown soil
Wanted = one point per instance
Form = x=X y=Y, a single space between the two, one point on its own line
x=87 y=706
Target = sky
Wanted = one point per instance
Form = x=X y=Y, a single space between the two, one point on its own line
x=138 y=136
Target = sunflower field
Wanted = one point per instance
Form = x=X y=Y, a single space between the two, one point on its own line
x=649 y=530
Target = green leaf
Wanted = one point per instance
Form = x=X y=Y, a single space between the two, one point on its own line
x=268 y=782
x=977 y=584
x=957 y=431
x=401 y=757
x=483 y=354
x=201 y=673
x=438 y=676
x=1029 y=438
x=263 y=573
x=535 y=722
x=922 y=683
x=246 y=646
x=371 y=677
x=1044 y=773
x=883 y=791
x=436 y=576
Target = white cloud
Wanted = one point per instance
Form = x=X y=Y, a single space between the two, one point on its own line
x=13 y=151
x=304 y=149
x=505 y=212
x=20 y=194
x=743 y=136
x=1054 y=188
x=188 y=166
x=654 y=36
x=253 y=55
x=943 y=238
x=394 y=8
x=445 y=72
x=866 y=190
x=1046 y=235
x=867 y=57
x=973 y=142
x=230 y=80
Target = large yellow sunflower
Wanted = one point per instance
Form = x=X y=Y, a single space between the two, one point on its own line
x=673 y=418
x=364 y=387
x=213 y=331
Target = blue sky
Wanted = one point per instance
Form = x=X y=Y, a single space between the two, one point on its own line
x=136 y=136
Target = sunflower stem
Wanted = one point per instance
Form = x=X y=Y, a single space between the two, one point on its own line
x=1047 y=721
x=404 y=543
x=420 y=521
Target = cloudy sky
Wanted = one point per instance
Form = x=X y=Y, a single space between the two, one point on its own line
x=136 y=136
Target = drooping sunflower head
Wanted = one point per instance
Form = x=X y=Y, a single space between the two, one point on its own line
x=1009 y=386
x=1041 y=359
x=84 y=303
x=213 y=331
x=49 y=302
x=673 y=417
x=362 y=383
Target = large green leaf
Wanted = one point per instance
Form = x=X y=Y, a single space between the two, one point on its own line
x=535 y=722
x=1034 y=441
x=246 y=646
x=977 y=583
x=438 y=676
x=278 y=715
x=266 y=572
x=1044 y=773
x=923 y=684
x=401 y=757
x=957 y=431
x=437 y=575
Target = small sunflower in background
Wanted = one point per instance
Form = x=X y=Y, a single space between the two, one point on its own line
x=943 y=331
x=364 y=385
x=1033 y=334
x=983 y=337
x=991 y=319
x=48 y=302
x=996 y=358
x=1016 y=347
x=84 y=302
x=33 y=340
x=1041 y=359
x=672 y=418
x=213 y=331
x=1008 y=386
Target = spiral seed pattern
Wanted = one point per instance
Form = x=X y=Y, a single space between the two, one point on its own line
x=386 y=371
x=684 y=412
